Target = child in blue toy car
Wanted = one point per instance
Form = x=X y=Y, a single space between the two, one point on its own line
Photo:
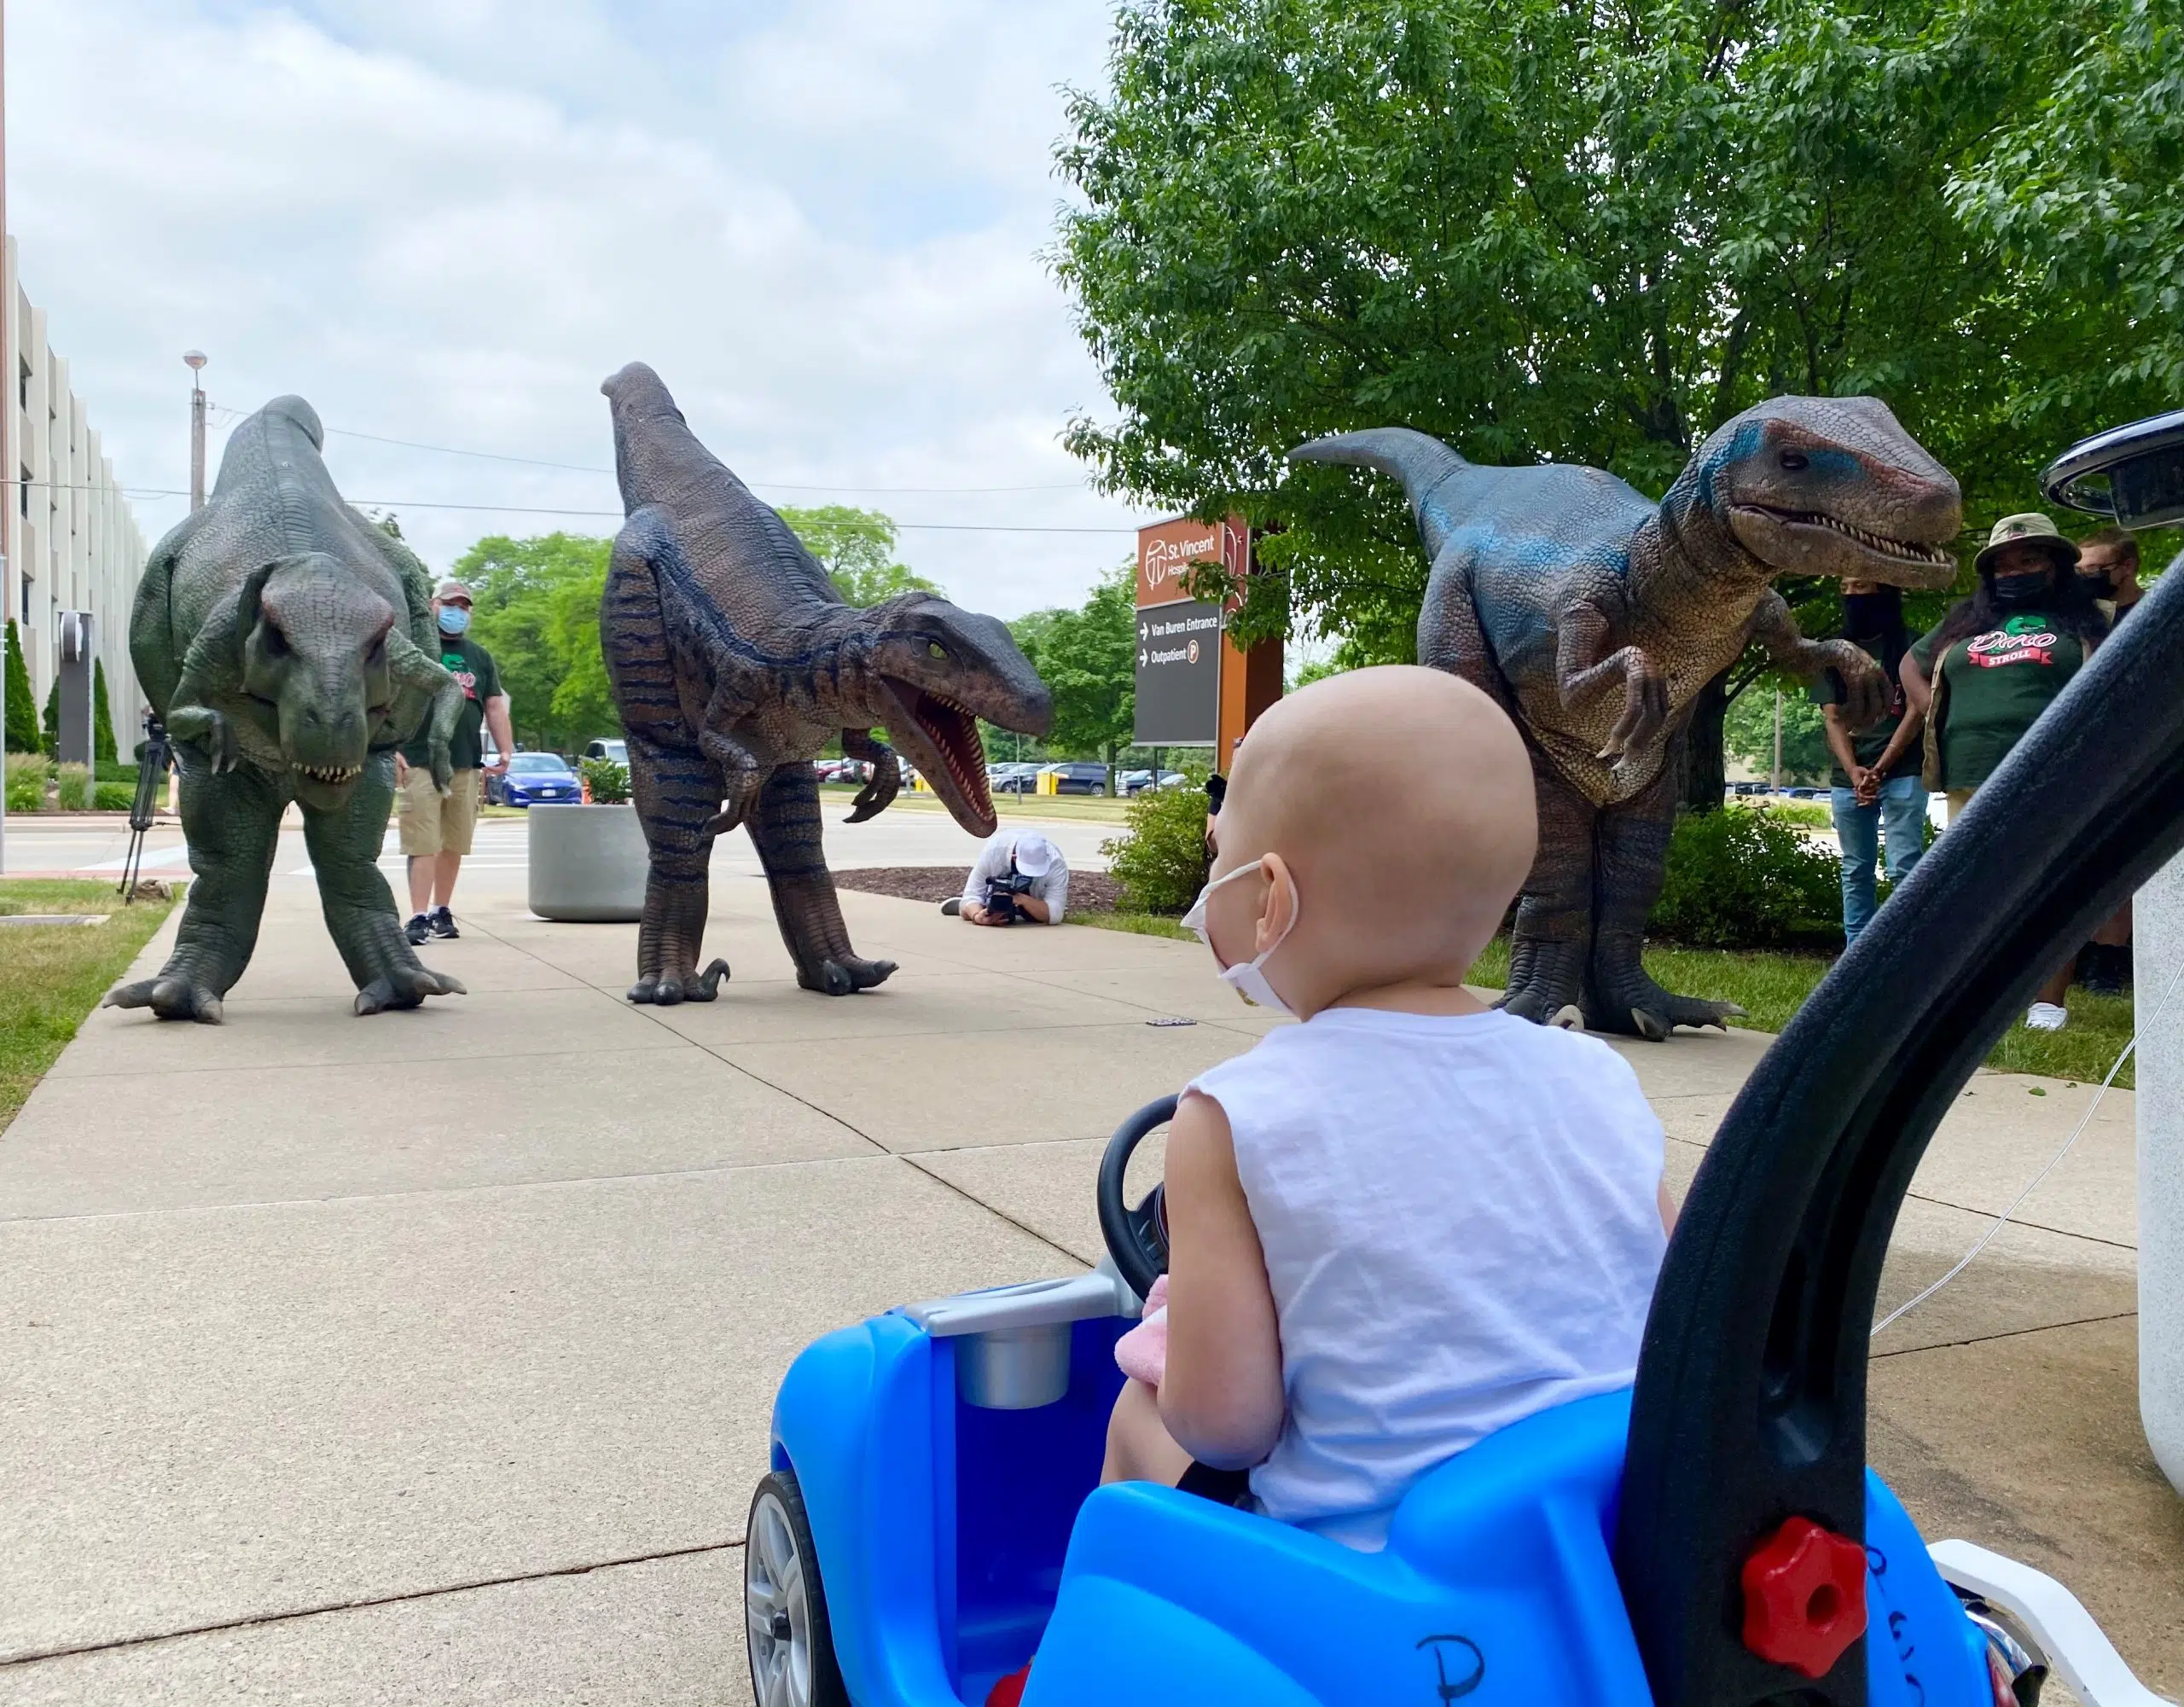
x=1411 y=1220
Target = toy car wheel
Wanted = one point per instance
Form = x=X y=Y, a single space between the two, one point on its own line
x=790 y=1644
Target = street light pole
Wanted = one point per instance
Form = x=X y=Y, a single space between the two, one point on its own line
x=194 y=359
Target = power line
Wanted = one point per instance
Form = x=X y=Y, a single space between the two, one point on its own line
x=587 y=468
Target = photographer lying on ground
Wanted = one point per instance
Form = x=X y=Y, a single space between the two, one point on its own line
x=1020 y=876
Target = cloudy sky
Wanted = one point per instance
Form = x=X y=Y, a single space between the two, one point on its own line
x=446 y=221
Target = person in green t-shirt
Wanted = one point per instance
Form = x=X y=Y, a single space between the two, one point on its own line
x=436 y=827
x=1876 y=788
x=1994 y=662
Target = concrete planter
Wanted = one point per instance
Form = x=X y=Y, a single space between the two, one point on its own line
x=588 y=864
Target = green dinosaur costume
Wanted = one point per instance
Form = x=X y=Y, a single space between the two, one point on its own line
x=279 y=634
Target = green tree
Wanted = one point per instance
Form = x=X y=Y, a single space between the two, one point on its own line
x=536 y=608
x=1552 y=233
x=49 y=731
x=22 y=704
x=858 y=549
x=103 y=747
x=1749 y=731
x=1088 y=658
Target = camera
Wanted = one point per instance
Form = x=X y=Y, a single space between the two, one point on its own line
x=1001 y=896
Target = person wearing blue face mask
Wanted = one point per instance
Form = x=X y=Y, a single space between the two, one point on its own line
x=437 y=828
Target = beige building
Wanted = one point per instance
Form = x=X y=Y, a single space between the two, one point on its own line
x=70 y=541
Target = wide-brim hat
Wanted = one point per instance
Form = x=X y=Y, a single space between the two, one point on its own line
x=2031 y=528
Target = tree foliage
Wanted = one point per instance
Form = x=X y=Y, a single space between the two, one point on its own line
x=103 y=747
x=1749 y=730
x=1088 y=658
x=1592 y=234
x=22 y=706
x=535 y=606
x=858 y=548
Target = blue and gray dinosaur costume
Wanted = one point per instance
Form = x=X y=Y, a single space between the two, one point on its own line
x=1596 y=616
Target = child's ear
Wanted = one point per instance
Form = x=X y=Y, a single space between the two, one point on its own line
x=1279 y=915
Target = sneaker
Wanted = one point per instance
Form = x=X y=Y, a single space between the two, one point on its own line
x=2046 y=1016
x=953 y=907
x=443 y=923
x=417 y=930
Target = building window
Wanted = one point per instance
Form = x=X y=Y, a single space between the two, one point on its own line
x=23 y=494
x=23 y=386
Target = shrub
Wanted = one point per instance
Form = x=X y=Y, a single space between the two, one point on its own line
x=1740 y=879
x=114 y=797
x=1159 y=859
x=26 y=777
x=74 y=787
x=609 y=783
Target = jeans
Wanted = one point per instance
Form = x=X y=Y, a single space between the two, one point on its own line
x=1901 y=811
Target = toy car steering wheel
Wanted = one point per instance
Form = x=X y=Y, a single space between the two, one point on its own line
x=1137 y=1239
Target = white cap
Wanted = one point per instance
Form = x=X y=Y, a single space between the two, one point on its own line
x=1035 y=853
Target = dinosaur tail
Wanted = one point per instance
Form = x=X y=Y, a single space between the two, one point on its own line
x=1422 y=462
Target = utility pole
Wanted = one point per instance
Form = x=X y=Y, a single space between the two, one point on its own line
x=1777 y=778
x=194 y=360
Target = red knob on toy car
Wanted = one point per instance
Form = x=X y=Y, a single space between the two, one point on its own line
x=1805 y=1597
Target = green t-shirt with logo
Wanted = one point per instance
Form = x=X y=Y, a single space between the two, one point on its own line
x=472 y=666
x=1998 y=682
x=1866 y=745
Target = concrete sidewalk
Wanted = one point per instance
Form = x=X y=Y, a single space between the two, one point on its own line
x=429 y=1357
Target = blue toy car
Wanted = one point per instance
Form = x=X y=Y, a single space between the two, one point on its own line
x=1710 y=1538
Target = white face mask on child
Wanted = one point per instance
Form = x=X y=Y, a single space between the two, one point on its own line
x=1248 y=979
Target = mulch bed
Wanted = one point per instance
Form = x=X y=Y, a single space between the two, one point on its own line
x=1090 y=891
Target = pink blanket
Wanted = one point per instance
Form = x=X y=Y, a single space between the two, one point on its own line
x=1142 y=1353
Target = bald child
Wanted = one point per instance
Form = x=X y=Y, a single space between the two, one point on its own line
x=1412 y=1219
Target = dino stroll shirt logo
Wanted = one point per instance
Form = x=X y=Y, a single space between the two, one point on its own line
x=2021 y=640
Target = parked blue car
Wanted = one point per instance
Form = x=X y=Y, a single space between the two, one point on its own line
x=534 y=776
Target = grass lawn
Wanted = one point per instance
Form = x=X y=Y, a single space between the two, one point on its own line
x=51 y=977
x=1770 y=988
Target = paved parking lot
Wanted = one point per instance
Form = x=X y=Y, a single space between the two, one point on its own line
x=428 y=1357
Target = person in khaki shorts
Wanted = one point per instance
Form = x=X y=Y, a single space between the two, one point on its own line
x=436 y=827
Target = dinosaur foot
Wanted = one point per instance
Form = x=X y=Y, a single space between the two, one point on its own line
x=667 y=991
x=1543 y=1006
x=845 y=976
x=406 y=987
x=1654 y=1014
x=169 y=998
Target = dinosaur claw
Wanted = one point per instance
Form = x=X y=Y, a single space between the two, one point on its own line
x=644 y=990
x=169 y=998
x=405 y=987
x=1651 y=1026
x=705 y=986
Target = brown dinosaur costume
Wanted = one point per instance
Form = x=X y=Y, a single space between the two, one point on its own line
x=1596 y=615
x=733 y=662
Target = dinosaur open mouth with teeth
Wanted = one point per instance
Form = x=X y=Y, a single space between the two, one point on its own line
x=956 y=755
x=329 y=773
x=1900 y=550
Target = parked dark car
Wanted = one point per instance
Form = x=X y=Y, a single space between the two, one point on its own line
x=1014 y=778
x=533 y=777
x=1081 y=778
x=1137 y=781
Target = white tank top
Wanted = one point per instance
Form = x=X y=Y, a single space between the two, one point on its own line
x=1461 y=1226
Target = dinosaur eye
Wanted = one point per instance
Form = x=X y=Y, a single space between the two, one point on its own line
x=1793 y=460
x=276 y=643
x=933 y=648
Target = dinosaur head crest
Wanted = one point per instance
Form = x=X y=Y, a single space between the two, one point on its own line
x=939 y=669
x=1832 y=486
x=314 y=644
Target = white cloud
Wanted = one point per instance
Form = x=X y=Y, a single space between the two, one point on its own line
x=449 y=222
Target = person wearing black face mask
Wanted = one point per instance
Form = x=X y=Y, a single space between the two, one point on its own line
x=1876 y=788
x=1994 y=662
